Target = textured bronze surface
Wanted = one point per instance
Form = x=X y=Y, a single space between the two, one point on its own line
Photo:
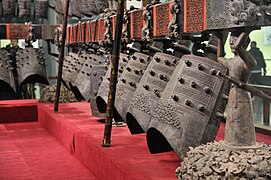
x=129 y=80
x=149 y=91
x=59 y=6
x=31 y=66
x=24 y=7
x=69 y=65
x=6 y=75
x=41 y=8
x=187 y=107
x=89 y=75
x=9 y=7
x=229 y=14
x=102 y=95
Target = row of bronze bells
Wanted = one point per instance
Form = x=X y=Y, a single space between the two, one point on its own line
x=81 y=8
x=177 y=100
x=30 y=68
x=24 y=6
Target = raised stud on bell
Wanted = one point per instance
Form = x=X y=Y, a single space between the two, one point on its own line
x=213 y=72
x=167 y=62
x=152 y=73
x=146 y=87
x=188 y=63
x=200 y=67
x=123 y=80
x=201 y=108
x=175 y=98
x=181 y=80
x=157 y=59
x=187 y=102
x=157 y=93
x=193 y=84
x=207 y=90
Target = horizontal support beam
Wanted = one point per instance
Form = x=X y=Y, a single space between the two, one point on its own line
x=21 y=31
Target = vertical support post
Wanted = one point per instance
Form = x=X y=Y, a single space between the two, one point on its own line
x=114 y=75
x=61 y=55
x=266 y=112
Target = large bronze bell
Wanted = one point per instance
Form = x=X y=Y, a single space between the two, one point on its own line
x=90 y=74
x=186 y=115
x=149 y=91
x=75 y=8
x=41 y=8
x=59 y=6
x=9 y=7
x=101 y=5
x=102 y=95
x=24 y=7
x=6 y=75
x=31 y=66
x=128 y=83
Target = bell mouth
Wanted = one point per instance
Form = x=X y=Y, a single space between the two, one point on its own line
x=35 y=79
x=157 y=143
x=76 y=92
x=4 y=86
x=133 y=125
x=101 y=104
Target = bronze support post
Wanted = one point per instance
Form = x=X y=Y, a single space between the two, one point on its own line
x=61 y=55
x=114 y=75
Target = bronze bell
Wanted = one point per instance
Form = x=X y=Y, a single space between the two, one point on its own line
x=24 y=7
x=32 y=68
x=59 y=6
x=185 y=115
x=6 y=75
x=9 y=7
x=41 y=8
x=75 y=8
x=89 y=76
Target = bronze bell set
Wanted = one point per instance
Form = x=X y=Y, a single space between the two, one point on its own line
x=168 y=84
x=24 y=8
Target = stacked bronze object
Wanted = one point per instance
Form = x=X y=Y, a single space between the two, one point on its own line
x=31 y=66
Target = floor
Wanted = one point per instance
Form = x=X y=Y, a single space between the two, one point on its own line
x=28 y=151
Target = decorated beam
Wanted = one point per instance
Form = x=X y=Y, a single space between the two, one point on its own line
x=178 y=17
x=21 y=31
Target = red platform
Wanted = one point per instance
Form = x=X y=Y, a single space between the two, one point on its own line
x=81 y=134
x=18 y=111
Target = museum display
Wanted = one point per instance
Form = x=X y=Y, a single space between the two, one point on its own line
x=160 y=69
